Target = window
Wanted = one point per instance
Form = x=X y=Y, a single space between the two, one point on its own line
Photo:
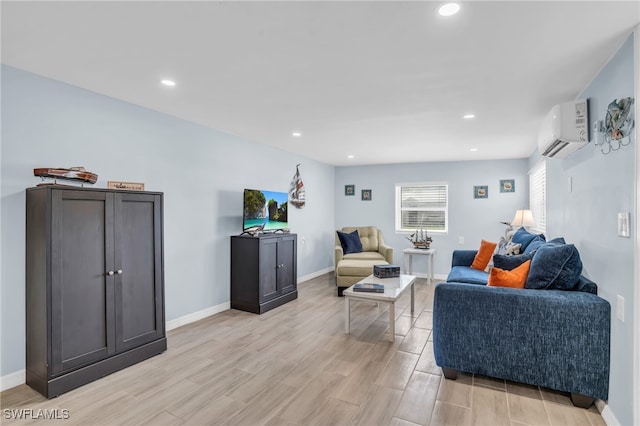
x=538 y=196
x=422 y=206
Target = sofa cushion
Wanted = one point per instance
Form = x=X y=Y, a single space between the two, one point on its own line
x=369 y=238
x=510 y=262
x=484 y=255
x=357 y=267
x=557 y=241
x=534 y=244
x=586 y=285
x=466 y=274
x=364 y=255
x=350 y=242
x=515 y=278
x=555 y=267
x=524 y=237
x=463 y=257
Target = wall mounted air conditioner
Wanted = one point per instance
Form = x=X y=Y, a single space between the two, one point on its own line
x=564 y=129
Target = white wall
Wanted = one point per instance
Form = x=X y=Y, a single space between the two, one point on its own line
x=603 y=185
x=472 y=219
x=636 y=333
x=201 y=171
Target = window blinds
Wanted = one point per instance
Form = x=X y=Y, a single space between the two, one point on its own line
x=421 y=206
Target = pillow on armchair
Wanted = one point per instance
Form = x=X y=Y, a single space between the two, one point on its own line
x=350 y=242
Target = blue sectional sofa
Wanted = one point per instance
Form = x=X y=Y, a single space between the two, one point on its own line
x=557 y=339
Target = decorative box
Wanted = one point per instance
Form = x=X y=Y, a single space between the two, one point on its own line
x=386 y=271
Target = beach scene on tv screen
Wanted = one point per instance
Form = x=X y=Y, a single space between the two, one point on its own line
x=266 y=208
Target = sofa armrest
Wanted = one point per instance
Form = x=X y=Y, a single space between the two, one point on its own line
x=338 y=254
x=550 y=338
x=463 y=257
x=387 y=252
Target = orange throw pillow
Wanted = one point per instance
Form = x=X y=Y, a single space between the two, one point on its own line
x=484 y=255
x=515 y=278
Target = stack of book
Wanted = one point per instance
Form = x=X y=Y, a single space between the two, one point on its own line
x=369 y=287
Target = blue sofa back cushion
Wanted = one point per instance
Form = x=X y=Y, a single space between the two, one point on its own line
x=586 y=285
x=557 y=241
x=534 y=245
x=508 y=263
x=465 y=274
x=524 y=238
x=350 y=242
x=555 y=267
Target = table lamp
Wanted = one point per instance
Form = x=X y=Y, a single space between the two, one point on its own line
x=523 y=218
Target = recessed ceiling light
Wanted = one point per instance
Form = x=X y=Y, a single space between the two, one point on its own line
x=350 y=156
x=473 y=149
x=296 y=134
x=467 y=116
x=170 y=83
x=449 y=9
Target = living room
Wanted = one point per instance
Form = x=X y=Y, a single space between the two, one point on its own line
x=202 y=172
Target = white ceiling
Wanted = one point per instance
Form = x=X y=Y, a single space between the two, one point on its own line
x=387 y=82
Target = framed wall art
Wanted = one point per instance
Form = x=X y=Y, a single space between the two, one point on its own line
x=349 y=190
x=507 y=185
x=481 y=191
x=366 y=195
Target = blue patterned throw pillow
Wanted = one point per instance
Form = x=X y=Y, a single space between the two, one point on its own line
x=507 y=247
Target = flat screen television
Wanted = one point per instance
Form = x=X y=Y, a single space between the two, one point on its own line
x=264 y=210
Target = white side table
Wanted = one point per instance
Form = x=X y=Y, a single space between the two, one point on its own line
x=408 y=260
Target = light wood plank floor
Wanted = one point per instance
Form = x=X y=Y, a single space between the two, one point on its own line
x=295 y=366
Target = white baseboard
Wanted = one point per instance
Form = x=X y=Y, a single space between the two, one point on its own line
x=436 y=277
x=606 y=413
x=314 y=274
x=13 y=379
x=197 y=316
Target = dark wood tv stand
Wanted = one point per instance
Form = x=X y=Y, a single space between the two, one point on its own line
x=263 y=271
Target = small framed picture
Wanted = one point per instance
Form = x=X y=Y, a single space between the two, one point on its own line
x=481 y=191
x=507 y=185
x=349 y=190
x=366 y=194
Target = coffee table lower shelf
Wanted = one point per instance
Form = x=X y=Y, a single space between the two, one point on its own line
x=393 y=289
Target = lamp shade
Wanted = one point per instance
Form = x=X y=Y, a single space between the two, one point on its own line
x=523 y=218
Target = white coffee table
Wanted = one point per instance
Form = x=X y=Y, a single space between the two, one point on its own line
x=393 y=289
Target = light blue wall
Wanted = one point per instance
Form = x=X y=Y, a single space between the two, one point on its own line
x=472 y=219
x=48 y=123
x=202 y=173
x=603 y=185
